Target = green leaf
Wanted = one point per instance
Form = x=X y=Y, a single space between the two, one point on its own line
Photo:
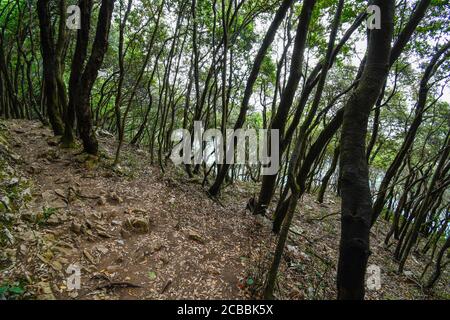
x=3 y=290
x=152 y=275
x=16 y=290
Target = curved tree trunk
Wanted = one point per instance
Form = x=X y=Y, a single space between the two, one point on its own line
x=305 y=17
x=328 y=175
x=76 y=70
x=356 y=208
x=439 y=266
x=99 y=47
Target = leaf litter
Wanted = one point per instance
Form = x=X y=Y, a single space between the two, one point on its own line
x=139 y=234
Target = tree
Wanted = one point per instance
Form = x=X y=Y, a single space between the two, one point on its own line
x=356 y=208
x=53 y=92
x=82 y=89
x=294 y=77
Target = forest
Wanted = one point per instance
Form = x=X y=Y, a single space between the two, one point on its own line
x=346 y=104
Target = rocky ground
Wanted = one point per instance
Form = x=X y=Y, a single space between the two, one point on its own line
x=136 y=233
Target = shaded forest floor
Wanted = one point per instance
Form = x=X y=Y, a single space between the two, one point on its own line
x=137 y=233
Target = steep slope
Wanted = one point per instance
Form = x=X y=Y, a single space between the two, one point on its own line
x=135 y=233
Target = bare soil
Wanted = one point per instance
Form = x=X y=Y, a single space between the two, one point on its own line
x=138 y=233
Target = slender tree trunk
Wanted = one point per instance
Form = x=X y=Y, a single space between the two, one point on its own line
x=269 y=181
x=118 y=100
x=425 y=204
x=305 y=17
x=49 y=64
x=287 y=97
x=99 y=48
x=76 y=70
x=439 y=265
x=328 y=175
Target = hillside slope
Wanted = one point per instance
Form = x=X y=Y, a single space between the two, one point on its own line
x=136 y=233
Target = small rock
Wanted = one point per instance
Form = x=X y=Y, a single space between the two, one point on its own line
x=408 y=273
x=305 y=256
x=101 y=201
x=76 y=227
x=53 y=141
x=14 y=181
x=102 y=249
x=28 y=236
x=53 y=220
x=19 y=130
x=61 y=193
x=112 y=269
x=89 y=256
x=115 y=197
x=44 y=291
x=28 y=216
x=4 y=201
x=125 y=233
x=23 y=249
x=58 y=204
x=52 y=200
x=310 y=292
x=292 y=249
x=194 y=235
x=140 y=225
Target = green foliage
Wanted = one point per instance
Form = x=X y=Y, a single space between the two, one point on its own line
x=47 y=212
x=11 y=291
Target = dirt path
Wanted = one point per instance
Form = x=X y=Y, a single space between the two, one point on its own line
x=140 y=229
x=137 y=234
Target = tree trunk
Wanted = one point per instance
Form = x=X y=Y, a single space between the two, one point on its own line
x=356 y=208
x=99 y=48
x=118 y=99
x=328 y=175
x=49 y=65
x=439 y=266
x=279 y=120
x=305 y=17
x=76 y=70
